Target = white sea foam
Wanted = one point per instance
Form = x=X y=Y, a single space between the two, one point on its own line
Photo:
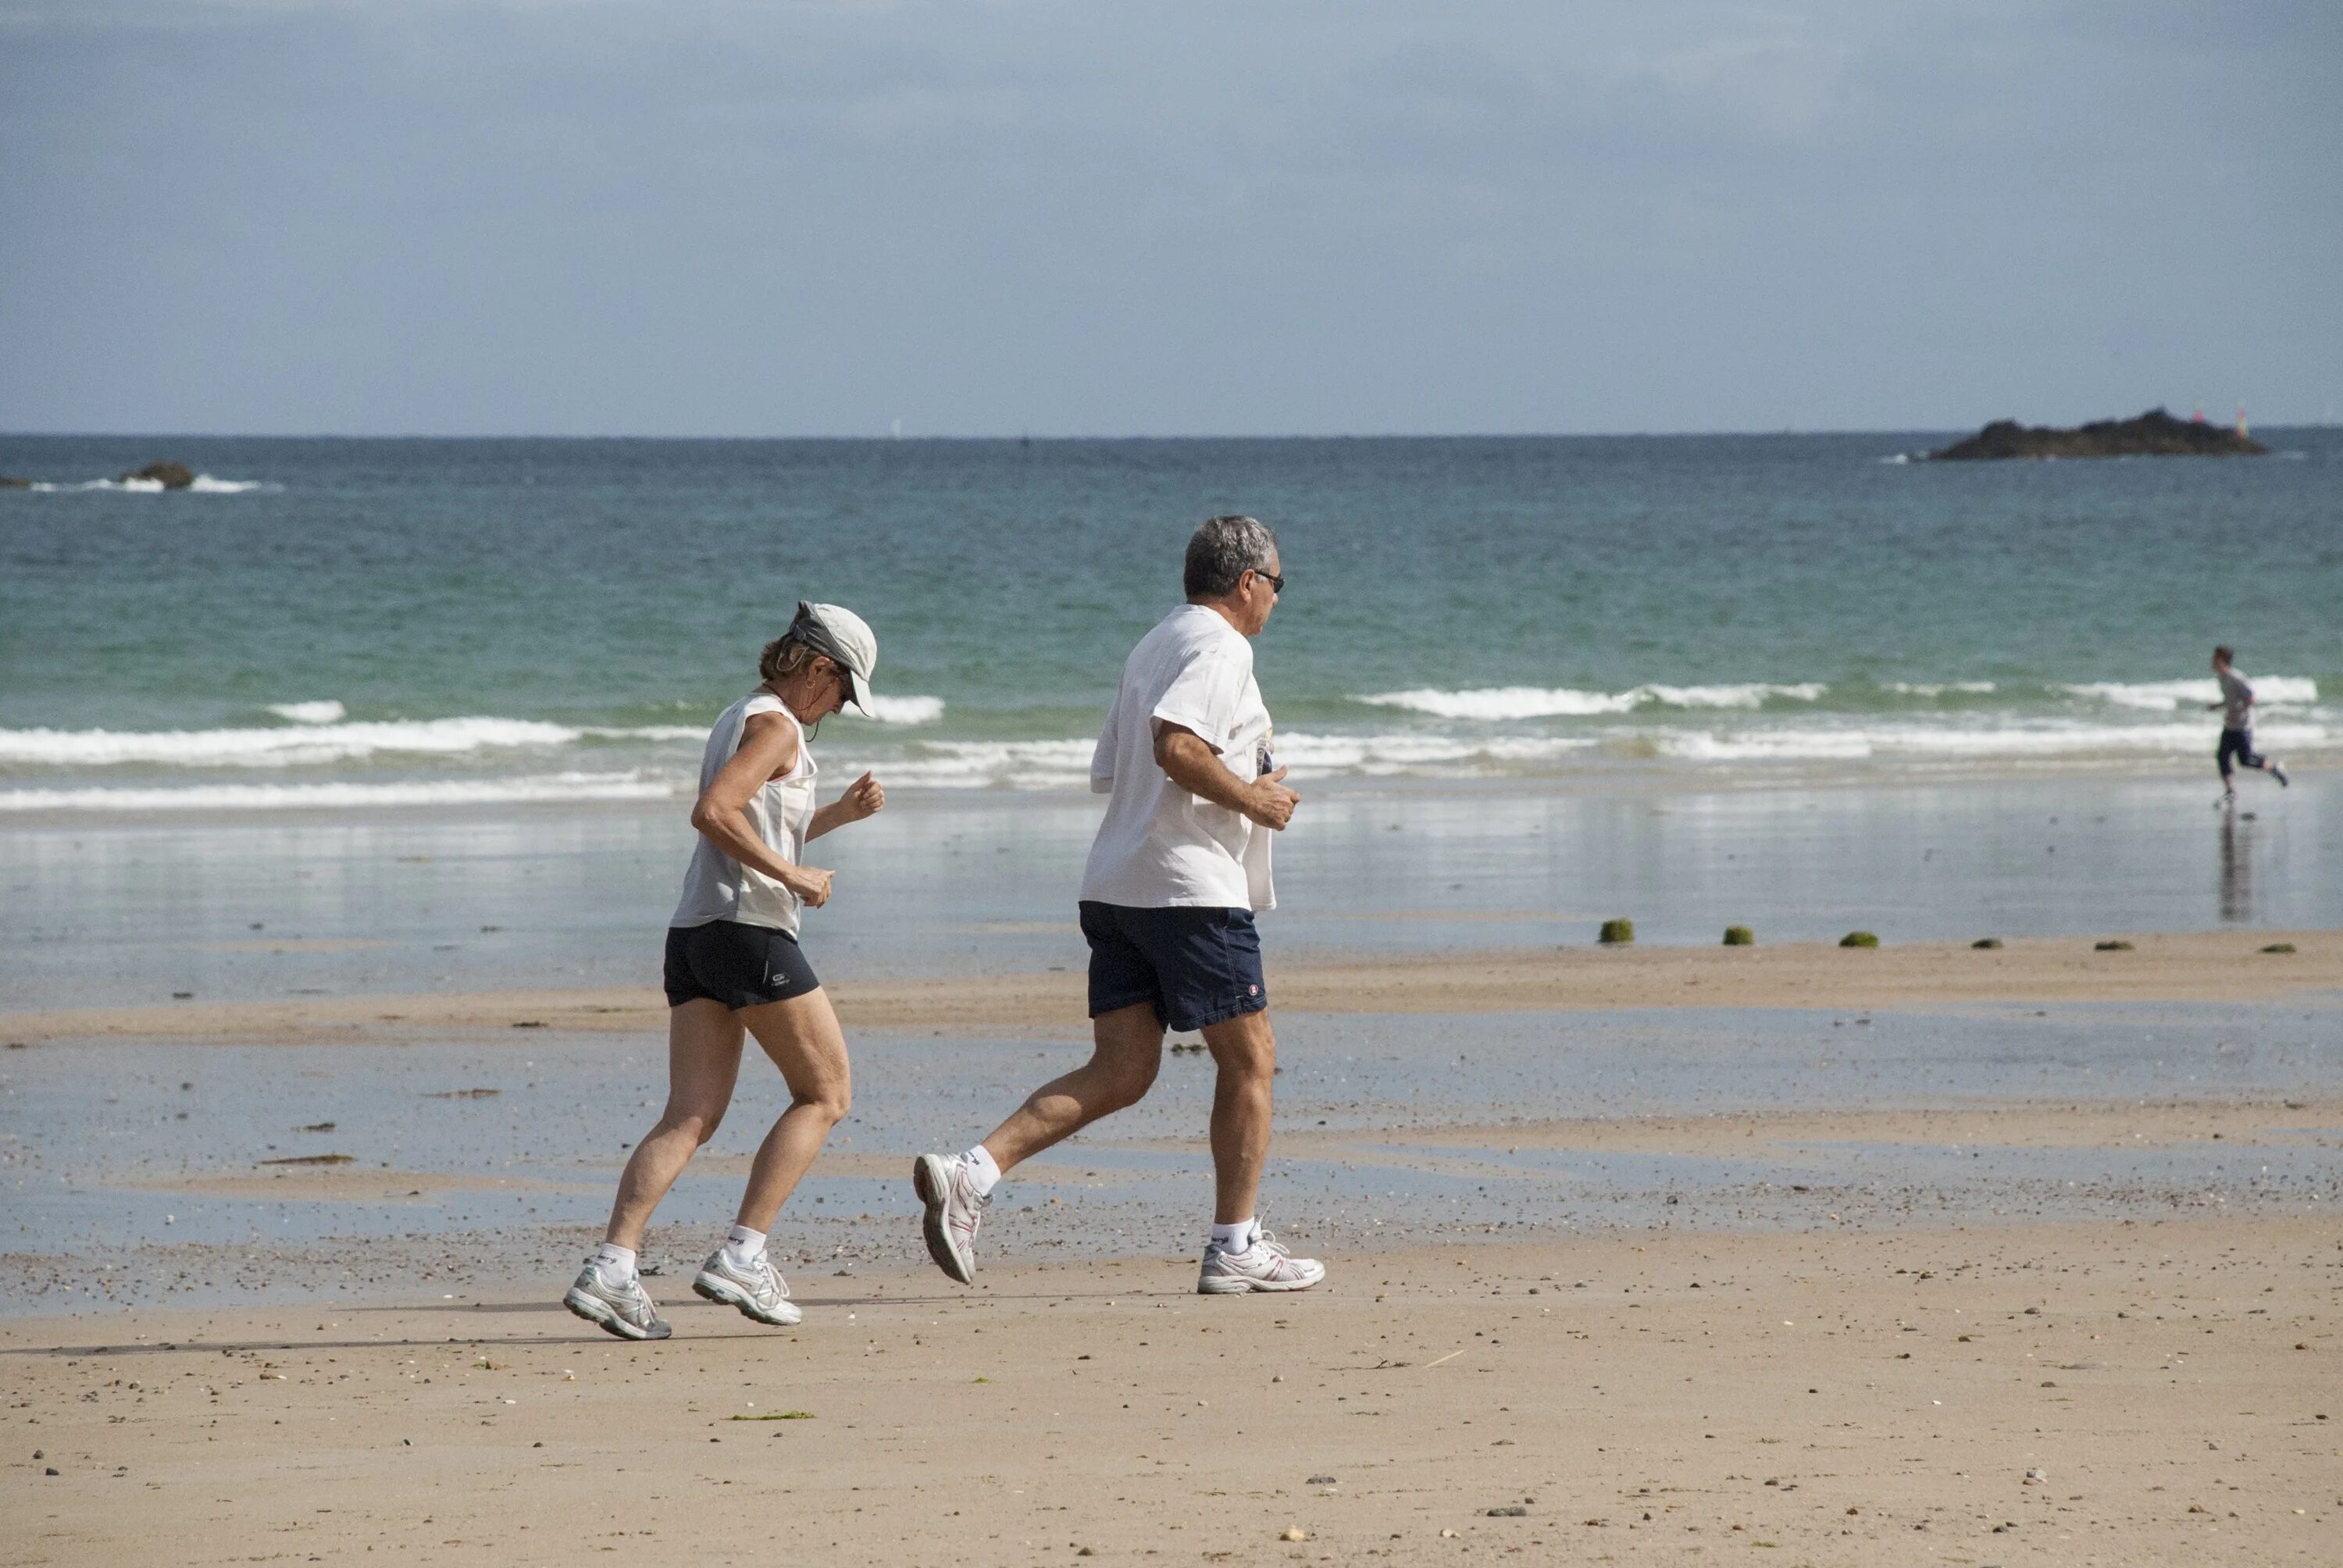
x=901 y=710
x=304 y=743
x=1505 y=702
x=310 y=712
x=1937 y=688
x=2042 y=741
x=551 y=787
x=204 y=485
x=2163 y=696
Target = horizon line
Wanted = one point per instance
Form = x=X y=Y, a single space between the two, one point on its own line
x=1026 y=438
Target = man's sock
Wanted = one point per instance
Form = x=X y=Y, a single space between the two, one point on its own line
x=1236 y=1238
x=743 y=1247
x=983 y=1169
x=613 y=1264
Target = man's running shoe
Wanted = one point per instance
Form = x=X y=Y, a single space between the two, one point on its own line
x=624 y=1310
x=1264 y=1266
x=2228 y=797
x=760 y=1291
x=2278 y=771
x=955 y=1209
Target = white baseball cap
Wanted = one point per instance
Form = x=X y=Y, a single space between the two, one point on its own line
x=846 y=637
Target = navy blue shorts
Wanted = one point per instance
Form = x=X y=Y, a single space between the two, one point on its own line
x=737 y=965
x=1194 y=966
x=2239 y=744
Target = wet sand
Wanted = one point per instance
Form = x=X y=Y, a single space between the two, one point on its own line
x=2157 y=1392
x=2213 y=966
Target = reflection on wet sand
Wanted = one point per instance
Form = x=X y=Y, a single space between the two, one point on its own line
x=2237 y=868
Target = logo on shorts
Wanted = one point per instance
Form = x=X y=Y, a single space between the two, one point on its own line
x=1253 y=990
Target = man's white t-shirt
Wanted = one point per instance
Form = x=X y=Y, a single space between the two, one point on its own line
x=2236 y=701
x=1160 y=847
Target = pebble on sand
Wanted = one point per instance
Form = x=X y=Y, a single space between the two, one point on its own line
x=1987 y=944
x=1618 y=933
x=1740 y=937
x=1859 y=939
x=2116 y=945
x=2279 y=948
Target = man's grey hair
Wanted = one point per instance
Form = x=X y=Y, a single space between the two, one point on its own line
x=1223 y=549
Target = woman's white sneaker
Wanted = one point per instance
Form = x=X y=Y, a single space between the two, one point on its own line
x=624 y=1309
x=954 y=1211
x=1264 y=1266
x=759 y=1291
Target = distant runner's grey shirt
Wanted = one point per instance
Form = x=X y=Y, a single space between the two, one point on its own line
x=718 y=888
x=2236 y=701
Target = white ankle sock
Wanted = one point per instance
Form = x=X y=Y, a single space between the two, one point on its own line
x=983 y=1168
x=614 y=1264
x=743 y=1247
x=1236 y=1238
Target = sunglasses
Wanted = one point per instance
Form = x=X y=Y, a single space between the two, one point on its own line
x=1276 y=581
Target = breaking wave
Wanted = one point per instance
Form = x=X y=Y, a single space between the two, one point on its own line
x=2165 y=695
x=204 y=485
x=1503 y=702
x=551 y=787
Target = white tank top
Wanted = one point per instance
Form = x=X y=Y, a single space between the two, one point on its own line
x=716 y=886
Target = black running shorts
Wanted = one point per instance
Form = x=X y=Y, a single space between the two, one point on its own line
x=1196 y=967
x=737 y=965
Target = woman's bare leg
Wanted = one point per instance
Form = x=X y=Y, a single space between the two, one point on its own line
x=802 y=1037
x=703 y=1060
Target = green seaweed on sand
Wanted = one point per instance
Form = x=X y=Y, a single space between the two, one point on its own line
x=1618 y=933
x=1859 y=939
x=1740 y=937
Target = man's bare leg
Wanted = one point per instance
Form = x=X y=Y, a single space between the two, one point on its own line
x=1126 y=1052
x=1245 y=1050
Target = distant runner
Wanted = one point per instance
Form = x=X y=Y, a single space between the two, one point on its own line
x=734 y=970
x=1179 y=867
x=2237 y=710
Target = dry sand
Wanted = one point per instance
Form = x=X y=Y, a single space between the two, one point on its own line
x=1820 y=1398
x=2220 y=966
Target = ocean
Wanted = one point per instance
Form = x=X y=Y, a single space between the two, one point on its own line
x=334 y=624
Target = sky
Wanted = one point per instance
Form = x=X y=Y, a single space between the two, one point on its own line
x=720 y=218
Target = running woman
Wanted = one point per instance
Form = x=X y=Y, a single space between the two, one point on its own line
x=1179 y=867
x=2237 y=710
x=734 y=968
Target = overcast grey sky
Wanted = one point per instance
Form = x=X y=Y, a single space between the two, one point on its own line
x=720 y=218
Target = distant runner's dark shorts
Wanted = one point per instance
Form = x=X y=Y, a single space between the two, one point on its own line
x=739 y=966
x=1194 y=966
x=2239 y=744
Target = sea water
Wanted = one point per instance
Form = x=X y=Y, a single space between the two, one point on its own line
x=333 y=625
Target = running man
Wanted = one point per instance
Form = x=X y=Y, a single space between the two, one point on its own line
x=1180 y=866
x=2236 y=709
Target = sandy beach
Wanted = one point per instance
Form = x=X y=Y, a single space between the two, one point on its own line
x=2223 y=966
x=2158 y=1392
x=1958 y=1318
